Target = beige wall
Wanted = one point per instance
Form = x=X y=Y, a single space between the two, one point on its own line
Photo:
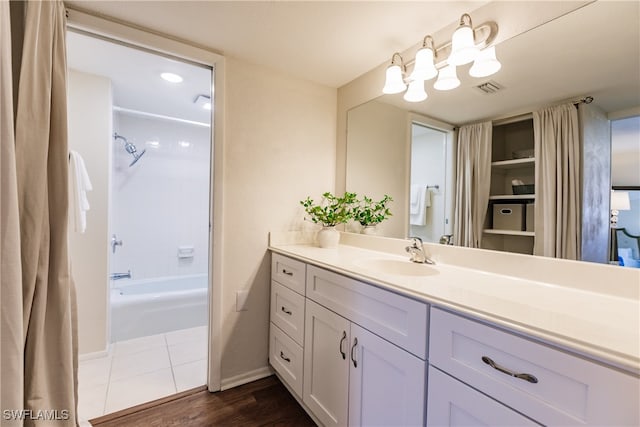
x=89 y=118
x=377 y=159
x=279 y=147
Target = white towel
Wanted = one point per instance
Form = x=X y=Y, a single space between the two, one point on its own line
x=420 y=201
x=79 y=184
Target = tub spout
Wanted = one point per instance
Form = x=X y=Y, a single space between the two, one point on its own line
x=118 y=276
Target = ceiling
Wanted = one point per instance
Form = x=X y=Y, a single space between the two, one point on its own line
x=135 y=77
x=327 y=42
x=591 y=51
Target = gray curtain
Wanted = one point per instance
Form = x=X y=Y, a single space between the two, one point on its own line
x=47 y=310
x=473 y=181
x=557 y=182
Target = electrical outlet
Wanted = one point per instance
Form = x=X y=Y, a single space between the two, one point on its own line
x=241 y=300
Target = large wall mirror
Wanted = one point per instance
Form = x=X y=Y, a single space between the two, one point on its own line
x=592 y=51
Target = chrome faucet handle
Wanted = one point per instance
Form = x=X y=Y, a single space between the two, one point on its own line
x=415 y=240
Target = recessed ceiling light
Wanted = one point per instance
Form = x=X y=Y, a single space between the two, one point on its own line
x=171 y=77
x=184 y=144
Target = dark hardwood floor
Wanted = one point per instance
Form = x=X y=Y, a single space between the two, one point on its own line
x=265 y=402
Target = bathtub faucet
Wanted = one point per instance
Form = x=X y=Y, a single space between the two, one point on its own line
x=118 y=276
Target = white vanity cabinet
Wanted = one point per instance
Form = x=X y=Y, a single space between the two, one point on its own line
x=364 y=355
x=286 y=330
x=544 y=384
x=361 y=359
x=353 y=377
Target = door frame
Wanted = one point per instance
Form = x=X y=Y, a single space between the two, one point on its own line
x=120 y=32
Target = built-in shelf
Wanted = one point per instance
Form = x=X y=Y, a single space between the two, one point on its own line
x=513 y=197
x=510 y=232
x=514 y=163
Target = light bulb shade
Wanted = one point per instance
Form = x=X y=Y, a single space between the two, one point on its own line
x=485 y=64
x=416 y=92
x=463 y=48
x=394 y=82
x=424 y=68
x=447 y=79
x=620 y=200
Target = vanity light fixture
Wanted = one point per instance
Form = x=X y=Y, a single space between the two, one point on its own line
x=395 y=82
x=171 y=77
x=467 y=45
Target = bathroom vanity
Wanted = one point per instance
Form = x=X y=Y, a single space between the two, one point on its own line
x=361 y=336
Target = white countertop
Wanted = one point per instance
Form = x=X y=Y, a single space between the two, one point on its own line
x=603 y=326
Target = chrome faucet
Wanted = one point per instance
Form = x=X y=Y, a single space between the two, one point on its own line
x=416 y=250
x=115 y=242
x=118 y=276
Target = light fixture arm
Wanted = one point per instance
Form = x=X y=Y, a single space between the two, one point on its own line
x=484 y=35
x=402 y=64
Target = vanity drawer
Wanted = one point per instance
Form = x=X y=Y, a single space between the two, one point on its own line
x=564 y=389
x=398 y=319
x=286 y=358
x=287 y=311
x=288 y=272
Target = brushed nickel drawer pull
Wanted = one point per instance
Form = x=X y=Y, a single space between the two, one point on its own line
x=282 y=356
x=527 y=377
x=288 y=273
x=344 y=337
x=285 y=310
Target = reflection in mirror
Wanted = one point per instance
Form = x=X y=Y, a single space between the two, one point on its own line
x=553 y=63
x=429 y=212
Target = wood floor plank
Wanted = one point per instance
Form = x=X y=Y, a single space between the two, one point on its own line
x=265 y=402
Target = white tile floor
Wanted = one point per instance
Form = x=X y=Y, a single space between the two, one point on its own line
x=142 y=369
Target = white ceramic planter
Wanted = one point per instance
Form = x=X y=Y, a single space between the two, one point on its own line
x=328 y=237
x=370 y=230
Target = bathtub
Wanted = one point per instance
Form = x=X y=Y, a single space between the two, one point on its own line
x=153 y=306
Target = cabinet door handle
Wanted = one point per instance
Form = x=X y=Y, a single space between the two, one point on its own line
x=283 y=357
x=527 y=377
x=285 y=310
x=288 y=273
x=353 y=349
x=344 y=337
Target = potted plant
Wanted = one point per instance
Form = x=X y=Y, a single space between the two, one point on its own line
x=329 y=212
x=370 y=213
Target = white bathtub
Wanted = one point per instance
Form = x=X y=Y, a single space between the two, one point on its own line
x=153 y=306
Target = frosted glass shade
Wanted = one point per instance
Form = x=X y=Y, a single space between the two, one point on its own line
x=394 y=82
x=424 y=68
x=463 y=48
x=447 y=79
x=416 y=92
x=485 y=64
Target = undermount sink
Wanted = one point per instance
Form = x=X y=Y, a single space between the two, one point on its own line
x=396 y=267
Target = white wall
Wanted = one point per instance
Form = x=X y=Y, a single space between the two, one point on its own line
x=89 y=120
x=428 y=163
x=377 y=156
x=279 y=147
x=162 y=201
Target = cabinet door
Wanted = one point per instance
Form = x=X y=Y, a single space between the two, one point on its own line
x=326 y=365
x=452 y=403
x=386 y=384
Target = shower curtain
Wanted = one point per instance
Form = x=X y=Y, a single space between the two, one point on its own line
x=557 y=182
x=46 y=314
x=473 y=181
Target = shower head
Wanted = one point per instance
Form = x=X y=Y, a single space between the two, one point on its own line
x=131 y=149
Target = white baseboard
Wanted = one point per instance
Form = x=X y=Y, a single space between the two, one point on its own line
x=247 y=377
x=95 y=355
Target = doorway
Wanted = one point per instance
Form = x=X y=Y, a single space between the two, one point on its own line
x=142 y=264
x=430 y=183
